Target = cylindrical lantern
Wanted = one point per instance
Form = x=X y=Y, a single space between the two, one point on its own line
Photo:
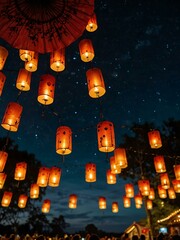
x=43 y=177
x=63 y=140
x=126 y=202
x=95 y=81
x=149 y=204
x=120 y=157
x=12 y=117
x=3 y=160
x=92 y=24
x=2 y=82
x=90 y=172
x=22 y=201
x=177 y=171
x=151 y=195
x=162 y=192
x=46 y=206
x=138 y=199
x=171 y=193
x=176 y=185
x=54 y=177
x=2 y=179
x=86 y=50
x=57 y=60
x=3 y=56
x=32 y=64
x=102 y=203
x=115 y=207
x=164 y=179
x=20 y=171
x=6 y=199
x=159 y=164
x=129 y=190
x=34 y=190
x=154 y=139
x=23 y=80
x=144 y=187
x=73 y=201
x=26 y=55
x=116 y=169
x=110 y=177
x=106 y=136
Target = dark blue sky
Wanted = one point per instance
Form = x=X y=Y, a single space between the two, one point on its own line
x=137 y=48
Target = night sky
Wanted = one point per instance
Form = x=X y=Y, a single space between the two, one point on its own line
x=137 y=48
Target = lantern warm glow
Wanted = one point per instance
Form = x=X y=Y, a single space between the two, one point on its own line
x=22 y=201
x=102 y=203
x=2 y=179
x=86 y=50
x=177 y=171
x=154 y=139
x=126 y=202
x=106 y=136
x=90 y=172
x=26 y=55
x=34 y=190
x=92 y=24
x=12 y=116
x=164 y=179
x=6 y=199
x=111 y=177
x=116 y=169
x=151 y=195
x=120 y=157
x=176 y=185
x=138 y=206
x=138 y=199
x=20 y=171
x=32 y=64
x=57 y=60
x=3 y=160
x=54 y=177
x=162 y=192
x=144 y=187
x=63 y=140
x=159 y=164
x=23 y=80
x=73 y=201
x=46 y=206
x=115 y=207
x=149 y=204
x=129 y=190
x=171 y=193
x=3 y=56
x=2 y=82
x=43 y=177
x=95 y=81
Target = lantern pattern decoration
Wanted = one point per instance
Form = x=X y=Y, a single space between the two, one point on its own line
x=120 y=157
x=73 y=201
x=46 y=206
x=86 y=50
x=26 y=55
x=159 y=164
x=126 y=202
x=22 y=201
x=34 y=191
x=171 y=193
x=2 y=82
x=176 y=185
x=177 y=171
x=110 y=177
x=2 y=179
x=90 y=172
x=6 y=199
x=102 y=203
x=115 y=207
x=144 y=187
x=3 y=160
x=149 y=204
x=116 y=169
x=92 y=24
x=20 y=171
x=95 y=82
x=54 y=177
x=23 y=81
x=154 y=139
x=164 y=179
x=63 y=140
x=151 y=195
x=129 y=190
x=32 y=64
x=57 y=60
x=106 y=136
x=3 y=56
x=12 y=117
x=43 y=177
x=138 y=199
x=162 y=192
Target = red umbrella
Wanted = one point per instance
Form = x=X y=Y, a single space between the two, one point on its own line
x=43 y=25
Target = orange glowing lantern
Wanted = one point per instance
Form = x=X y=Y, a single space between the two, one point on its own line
x=171 y=193
x=6 y=199
x=144 y=187
x=95 y=81
x=73 y=201
x=120 y=157
x=3 y=56
x=176 y=185
x=154 y=139
x=162 y=192
x=23 y=80
x=32 y=64
x=86 y=50
x=34 y=190
x=177 y=171
x=129 y=190
x=159 y=164
x=106 y=136
x=54 y=177
x=43 y=177
x=102 y=203
x=115 y=207
x=126 y=202
x=164 y=179
x=116 y=169
x=46 y=206
x=12 y=117
x=138 y=199
x=22 y=201
x=2 y=179
x=20 y=171
x=3 y=160
x=138 y=206
x=26 y=55
x=149 y=204
x=57 y=60
x=63 y=140
x=90 y=172
x=151 y=195
x=92 y=24
x=111 y=177
x=2 y=82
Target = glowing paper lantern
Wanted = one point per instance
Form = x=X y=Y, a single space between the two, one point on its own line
x=26 y=55
x=92 y=24
x=154 y=139
x=22 y=201
x=111 y=177
x=32 y=64
x=176 y=185
x=34 y=190
x=144 y=187
x=2 y=179
x=12 y=117
x=102 y=203
x=151 y=195
x=159 y=164
x=171 y=193
x=115 y=207
x=43 y=177
x=63 y=140
x=73 y=201
x=3 y=56
x=162 y=192
x=126 y=202
x=6 y=199
x=23 y=80
x=149 y=204
x=90 y=172
x=57 y=60
x=177 y=171
x=20 y=171
x=164 y=179
x=138 y=199
x=86 y=50
x=95 y=81
x=3 y=160
x=120 y=157
x=129 y=190
x=54 y=177
x=46 y=206
x=2 y=82
x=106 y=136
x=116 y=169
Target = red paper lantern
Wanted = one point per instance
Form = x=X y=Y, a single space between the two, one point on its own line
x=116 y=169
x=23 y=81
x=3 y=160
x=154 y=139
x=43 y=177
x=6 y=199
x=73 y=201
x=162 y=192
x=120 y=157
x=2 y=179
x=138 y=199
x=171 y=193
x=176 y=185
x=111 y=177
x=129 y=190
x=126 y=202
x=149 y=204
x=3 y=56
x=57 y=60
x=22 y=201
x=151 y=195
x=20 y=171
x=32 y=64
x=144 y=187
x=63 y=140
x=165 y=183
x=34 y=190
x=86 y=50
x=54 y=177
x=159 y=164
x=26 y=55
x=92 y=24
x=46 y=206
x=90 y=172
x=2 y=82
x=102 y=203
x=177 y=171
x=115 y=207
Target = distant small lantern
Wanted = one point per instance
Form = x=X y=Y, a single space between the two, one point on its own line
x=138 y=206
x=154 y=139
x=138 y=199
x=22 y=201
x=2 y=82
x=92 y=24
x=3 y=160
x=159 y=164
x=43 y=177
x=26 y=55
x=164 y=179
x=6 y=199
x=115 y=207
x=3 y=56
x=102 y=203
x=126 y=202
x=171 y=193
x=57 y=60
x=46 y=206
x=90 y=172
x=129 y=190
x=63 y=140
x=111 y=177
x=144 y=187
x=176 y=185
x=177 y=171
x=73 y=201
x=120 y=157
x=54 y=177
x=149 y=204
x=2 y=179
x=162 y=192
x=34 y=190
x=151 y=195
x=86 y=50
x=12 y=117
x=32 y=64
x=20 y=171
x=95 y=81
x=106 y=136
x=116 y=169
x=23 y=81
